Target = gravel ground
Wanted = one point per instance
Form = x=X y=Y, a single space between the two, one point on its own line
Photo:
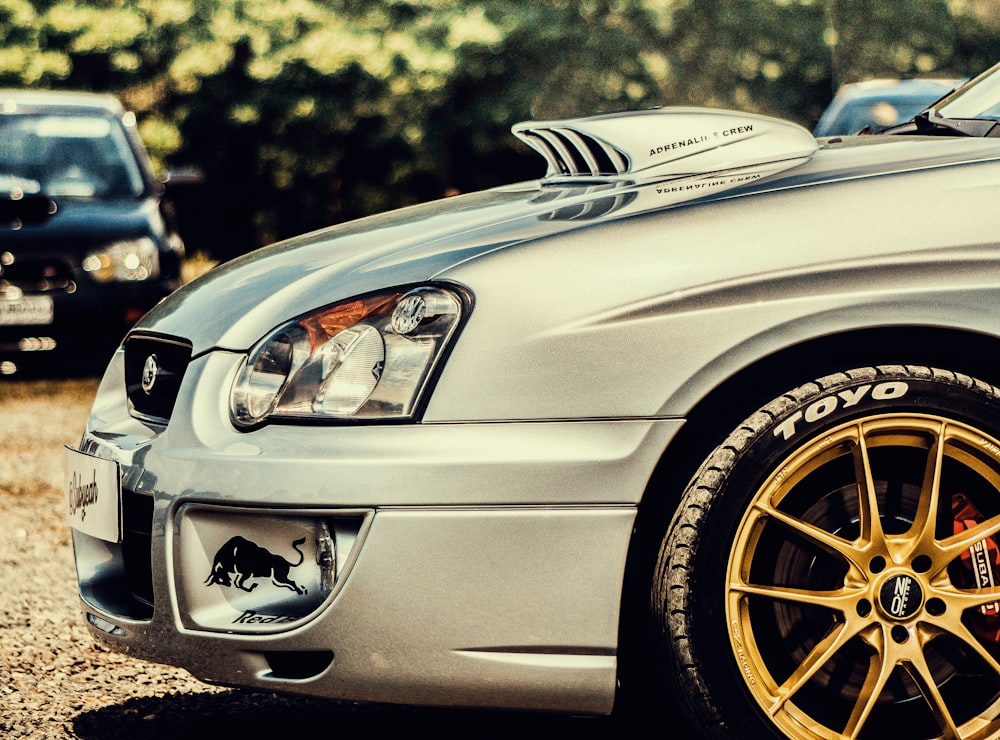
x=56 y=683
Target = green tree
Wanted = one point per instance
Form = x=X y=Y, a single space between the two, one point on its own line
x=906 y=38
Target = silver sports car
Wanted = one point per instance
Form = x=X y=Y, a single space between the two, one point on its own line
x=708 y=414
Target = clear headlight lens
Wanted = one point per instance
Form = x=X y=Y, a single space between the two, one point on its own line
x=130 y=260
x=367 y=358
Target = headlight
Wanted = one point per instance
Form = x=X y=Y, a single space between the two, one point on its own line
x=129 y=260
x=367 y=358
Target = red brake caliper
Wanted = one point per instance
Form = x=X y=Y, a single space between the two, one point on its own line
x=982 y=567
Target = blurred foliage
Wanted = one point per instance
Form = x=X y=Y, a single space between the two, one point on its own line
x=303 y=113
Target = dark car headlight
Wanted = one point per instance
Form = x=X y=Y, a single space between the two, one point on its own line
x=129 y=260
x=368 y=358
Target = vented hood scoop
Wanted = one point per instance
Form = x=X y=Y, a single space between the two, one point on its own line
x=664 y=143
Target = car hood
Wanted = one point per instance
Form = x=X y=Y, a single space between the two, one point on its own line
x=237 y=303
x=79 y=225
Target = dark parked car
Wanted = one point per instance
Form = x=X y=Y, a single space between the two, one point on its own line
x=879 y=104
x=710 y=393
x=87 y=242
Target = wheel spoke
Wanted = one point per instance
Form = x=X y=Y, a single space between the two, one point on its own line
x=820 y=537
x=871 y=522
x=879 y=671
x=962 y=600
x=916 y=666
x=841 y=600
x=955 y=628
x=925 y=522
x=818 y=657
x=952 y=547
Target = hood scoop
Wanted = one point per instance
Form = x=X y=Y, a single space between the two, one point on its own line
x=664 y=143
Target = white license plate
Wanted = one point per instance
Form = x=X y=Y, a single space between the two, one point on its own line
x=93 y=495
x=28 y=309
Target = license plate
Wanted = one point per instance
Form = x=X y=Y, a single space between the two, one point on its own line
x=27 y=310
x=93 y=495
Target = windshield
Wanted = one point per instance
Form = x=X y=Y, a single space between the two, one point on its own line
x=980 y=98
x=73 y=155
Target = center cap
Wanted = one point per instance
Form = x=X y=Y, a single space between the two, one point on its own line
x=900 y=596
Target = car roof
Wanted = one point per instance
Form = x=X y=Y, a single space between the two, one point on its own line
x=906 y=87
x=21 y=100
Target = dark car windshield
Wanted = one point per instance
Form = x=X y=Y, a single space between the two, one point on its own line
x=72 y=155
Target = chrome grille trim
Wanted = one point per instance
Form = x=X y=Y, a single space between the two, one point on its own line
x=155 y=402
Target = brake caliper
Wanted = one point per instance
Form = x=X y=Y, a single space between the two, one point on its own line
x=981 y=567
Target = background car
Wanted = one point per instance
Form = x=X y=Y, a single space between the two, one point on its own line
x=87 y=242
x=707 y=417
x=879 y=104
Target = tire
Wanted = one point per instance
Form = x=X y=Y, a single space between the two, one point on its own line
x=787 y=610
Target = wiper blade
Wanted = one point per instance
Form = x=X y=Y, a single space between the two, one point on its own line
x=930 y=123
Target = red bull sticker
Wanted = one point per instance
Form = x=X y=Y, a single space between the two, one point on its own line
x=240 y=563
x=249 y=571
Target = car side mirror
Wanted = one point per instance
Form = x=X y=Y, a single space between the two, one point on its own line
x=183 y=177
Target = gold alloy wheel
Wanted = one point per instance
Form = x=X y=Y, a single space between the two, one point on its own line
x=853 y=597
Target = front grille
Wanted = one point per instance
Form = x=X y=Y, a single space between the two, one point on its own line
x=137 y=540
x=37 y=276
x=154 y=369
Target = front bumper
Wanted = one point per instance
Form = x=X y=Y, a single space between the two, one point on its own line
x=440 y=564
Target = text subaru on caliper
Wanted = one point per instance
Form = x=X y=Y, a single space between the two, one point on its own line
x=708 y=415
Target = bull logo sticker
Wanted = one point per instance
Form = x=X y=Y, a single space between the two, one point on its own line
x=240 y=560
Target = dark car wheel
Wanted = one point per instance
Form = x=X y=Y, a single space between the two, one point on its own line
x=830 y=571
